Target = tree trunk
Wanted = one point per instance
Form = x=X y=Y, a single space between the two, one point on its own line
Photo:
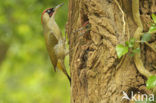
x=98 y=76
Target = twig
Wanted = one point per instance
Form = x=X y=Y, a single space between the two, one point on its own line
x=150 y=46
x=123 y=16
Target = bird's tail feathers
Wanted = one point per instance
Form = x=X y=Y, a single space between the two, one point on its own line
x=61 y=66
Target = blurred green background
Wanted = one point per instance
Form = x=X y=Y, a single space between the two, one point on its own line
x=26 y=74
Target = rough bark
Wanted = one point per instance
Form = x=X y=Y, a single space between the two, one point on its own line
x=98 y=76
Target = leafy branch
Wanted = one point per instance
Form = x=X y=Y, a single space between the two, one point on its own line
x=129 y=45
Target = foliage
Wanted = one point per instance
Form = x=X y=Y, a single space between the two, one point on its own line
x=153 y=26
x=154 y=18
x=151 y=82
x=129 y=45
x=144 y=101
x=121 y=50
x=146 y=37
x=26 y=74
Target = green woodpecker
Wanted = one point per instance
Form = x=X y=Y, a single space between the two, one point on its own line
x=55 y=42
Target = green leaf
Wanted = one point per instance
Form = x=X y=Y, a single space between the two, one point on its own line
x=152 y=29
x=130 y=43
x=127 y=43
x=154 y=18
x=151 y=82
x=134 y=51
x=121 y=50
x=137 y=50
x=146 y=37
x=132 y=54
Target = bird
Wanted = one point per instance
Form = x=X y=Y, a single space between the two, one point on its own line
x=55 y=43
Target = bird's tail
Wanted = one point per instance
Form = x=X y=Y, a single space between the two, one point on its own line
x=61 y=66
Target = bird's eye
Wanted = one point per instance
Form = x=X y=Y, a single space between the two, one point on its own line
x=48 y=11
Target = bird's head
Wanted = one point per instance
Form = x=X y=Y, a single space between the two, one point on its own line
x=49 y=13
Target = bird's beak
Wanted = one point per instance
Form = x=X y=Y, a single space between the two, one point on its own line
x=58 y=6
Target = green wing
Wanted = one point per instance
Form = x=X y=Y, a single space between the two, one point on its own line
x=52 y=41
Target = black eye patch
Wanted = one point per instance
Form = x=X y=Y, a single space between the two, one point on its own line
x=49 y=11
